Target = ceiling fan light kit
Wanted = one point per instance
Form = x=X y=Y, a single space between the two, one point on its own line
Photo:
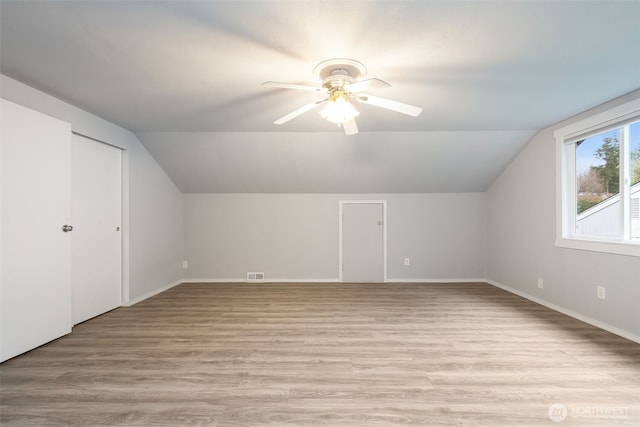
x=339 y=109
x=341 y=81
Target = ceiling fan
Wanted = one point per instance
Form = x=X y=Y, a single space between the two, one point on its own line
x=340 y=80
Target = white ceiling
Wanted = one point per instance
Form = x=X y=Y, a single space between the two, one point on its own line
x=185 y=76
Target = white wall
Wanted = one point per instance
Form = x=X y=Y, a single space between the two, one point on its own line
x=153 y=203
x=521 y=244
x=295 y=236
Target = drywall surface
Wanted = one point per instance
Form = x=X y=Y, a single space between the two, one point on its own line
x=296 y=236
x=334 y=163
x=521 y=206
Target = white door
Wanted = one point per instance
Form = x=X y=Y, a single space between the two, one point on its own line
x=363 y=242
x=96 y=212
x=35 y=291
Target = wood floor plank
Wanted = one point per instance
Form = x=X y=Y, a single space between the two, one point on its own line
x=326 y=355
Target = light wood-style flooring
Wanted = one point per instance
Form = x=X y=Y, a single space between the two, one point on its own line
x=327 y=355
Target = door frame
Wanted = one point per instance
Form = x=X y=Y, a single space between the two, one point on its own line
x=341 y=203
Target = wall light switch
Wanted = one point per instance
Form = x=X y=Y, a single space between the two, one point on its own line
x=601 y=292
x=406 y=262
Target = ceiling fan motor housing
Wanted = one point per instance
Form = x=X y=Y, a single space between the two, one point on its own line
x=336 y=73
x=337 y=82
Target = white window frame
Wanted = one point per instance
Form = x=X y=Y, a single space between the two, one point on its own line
x=566 y=215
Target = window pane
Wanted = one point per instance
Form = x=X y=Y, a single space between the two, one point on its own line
x=634 y=149
x=597 y=182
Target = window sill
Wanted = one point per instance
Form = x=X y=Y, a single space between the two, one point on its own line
x=618 y=248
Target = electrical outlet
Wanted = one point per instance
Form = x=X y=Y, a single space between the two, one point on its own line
x=540 y=283
x=601 y=292
x=185 y=264
x=407 y=262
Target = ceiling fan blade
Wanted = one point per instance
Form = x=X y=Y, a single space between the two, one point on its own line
x=400 y=107
x=296 y=113
x=367 y=84
x=350 y=127
x=293 y=86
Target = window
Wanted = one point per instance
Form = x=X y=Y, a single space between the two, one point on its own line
x=598 y=182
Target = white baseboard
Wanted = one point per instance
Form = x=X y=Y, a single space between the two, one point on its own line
x=336 y=280
x=236 y=280
x=304 y=281
x=150 y=294
x=598 y=324
x=431 y=280
x=244 y=280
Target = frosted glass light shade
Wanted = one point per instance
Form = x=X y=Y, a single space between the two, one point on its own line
x=339 y=110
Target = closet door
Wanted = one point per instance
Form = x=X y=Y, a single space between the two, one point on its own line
x=96 y=212
x=35 y=286
x=363 y=242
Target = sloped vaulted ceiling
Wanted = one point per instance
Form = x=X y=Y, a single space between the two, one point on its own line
x=185 y=76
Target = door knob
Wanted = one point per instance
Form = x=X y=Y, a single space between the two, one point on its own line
x=67 y=228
